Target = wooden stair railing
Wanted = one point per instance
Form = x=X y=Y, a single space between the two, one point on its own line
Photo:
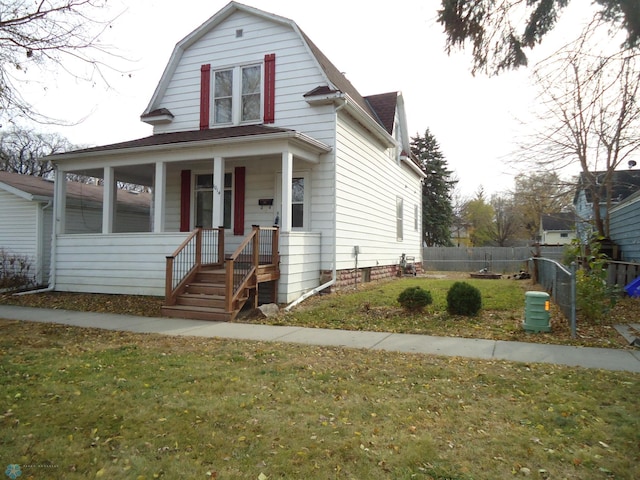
x=201 y=247
x=256 y=260
x=200 y=286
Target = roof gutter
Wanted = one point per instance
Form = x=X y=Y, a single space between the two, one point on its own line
x=412 y=165
x=343 y=100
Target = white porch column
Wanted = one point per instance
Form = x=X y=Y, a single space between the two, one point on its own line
x=217 y=219
x=159 y=193
x=108 y=200
x=287 y=191
x=60 y=201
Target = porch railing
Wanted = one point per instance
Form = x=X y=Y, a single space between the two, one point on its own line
x=259 y=249
x=204 y=246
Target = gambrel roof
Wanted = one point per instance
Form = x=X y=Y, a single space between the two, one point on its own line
x=335 y=80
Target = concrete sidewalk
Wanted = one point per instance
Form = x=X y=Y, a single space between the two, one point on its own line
x=603 y=358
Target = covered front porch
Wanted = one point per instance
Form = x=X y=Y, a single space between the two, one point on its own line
x=200 y=181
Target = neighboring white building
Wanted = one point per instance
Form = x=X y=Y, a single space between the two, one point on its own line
x=558 y=228
x=26 y=216
x=253 y=126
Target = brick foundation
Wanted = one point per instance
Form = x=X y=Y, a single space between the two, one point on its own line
x=349 y=278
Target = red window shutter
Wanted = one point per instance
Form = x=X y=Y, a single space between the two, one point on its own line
x=238 y=201
x=205 y=95
x=185 y=200
x=270 y=88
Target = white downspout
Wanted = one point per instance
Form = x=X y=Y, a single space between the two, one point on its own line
x=52 y=263
x=334 y=273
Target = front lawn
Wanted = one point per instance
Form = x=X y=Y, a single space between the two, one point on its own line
x=84 y=403
x=374 y=306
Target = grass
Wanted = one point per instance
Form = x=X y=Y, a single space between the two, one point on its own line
x=374 y=307
x=82 y=403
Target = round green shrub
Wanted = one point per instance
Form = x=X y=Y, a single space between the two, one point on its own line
x=414 y=299
x=464 y=299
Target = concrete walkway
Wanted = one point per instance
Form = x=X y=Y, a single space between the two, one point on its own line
x=603 y=358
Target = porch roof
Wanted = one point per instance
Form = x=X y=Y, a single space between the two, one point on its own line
x=240 y=133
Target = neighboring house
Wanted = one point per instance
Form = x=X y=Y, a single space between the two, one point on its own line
x=252 y=126
x=625 y=228
x=624 y=183
x=557 y=228
x=26 y=216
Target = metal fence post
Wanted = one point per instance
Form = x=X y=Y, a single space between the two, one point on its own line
x=573 y=299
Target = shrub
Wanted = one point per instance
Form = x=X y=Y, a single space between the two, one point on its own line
x=463 y=299
x=594 y=297
x=414 y=299
x=14 y=271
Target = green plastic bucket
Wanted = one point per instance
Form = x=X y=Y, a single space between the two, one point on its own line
x=536 y=312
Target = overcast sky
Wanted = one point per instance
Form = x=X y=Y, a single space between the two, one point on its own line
x=381 y=48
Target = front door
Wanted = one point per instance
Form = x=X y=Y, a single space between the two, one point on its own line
x=204 y=200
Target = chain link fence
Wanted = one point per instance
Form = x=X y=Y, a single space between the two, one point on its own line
x=560 y=282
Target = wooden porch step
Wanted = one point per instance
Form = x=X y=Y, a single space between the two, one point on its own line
x=202 y=288
x=211 y=276
x=201 y=300
x=197 y=313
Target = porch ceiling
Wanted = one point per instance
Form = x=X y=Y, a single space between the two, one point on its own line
x=134 y=159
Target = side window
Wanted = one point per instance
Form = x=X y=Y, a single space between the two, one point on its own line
x=297 y=203
x=300 y=198
x=399 y=219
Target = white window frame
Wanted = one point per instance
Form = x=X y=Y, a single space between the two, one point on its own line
x=236 y=95
x=399 y=219
x=306 y=220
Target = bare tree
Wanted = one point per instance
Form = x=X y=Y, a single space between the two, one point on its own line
x=46 y=34
x=507 y=225
x=541 y=193
x=591 y=119
x=22 y=151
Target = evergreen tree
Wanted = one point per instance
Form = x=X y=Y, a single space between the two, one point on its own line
x=437 y=188
x=500 y=32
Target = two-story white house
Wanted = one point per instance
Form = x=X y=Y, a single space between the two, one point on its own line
x=270 y=174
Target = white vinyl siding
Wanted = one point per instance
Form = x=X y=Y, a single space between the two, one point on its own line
x=299 y=264
x=369 y=184
x=18 y=231
x=132 y=263
x=296 y=74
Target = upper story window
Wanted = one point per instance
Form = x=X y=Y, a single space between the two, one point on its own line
x=237 y=95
